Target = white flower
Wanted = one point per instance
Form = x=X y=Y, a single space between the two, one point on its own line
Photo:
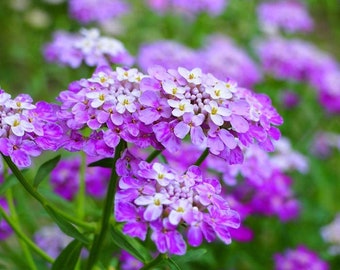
x=125 y=103
x=18 y=125
x=194 y=76
x=216 y=113
x=172 y=88
x=181 y=107
x=219 y=90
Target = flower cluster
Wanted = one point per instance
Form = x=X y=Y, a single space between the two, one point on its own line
x=26 y=129
x=252 y=190
x=331 y=235
x=86 y=11
x=65 y=179
x=290 y=16
x=162 y=108
x=216 y=114
x=219 y=56
x=300 y=258
x=88 y=46
x=262 y=191
x=223 y=58
x=188 y=8
x=101 y=110
x=310 y=65
x=166 y=53
x=155 y=195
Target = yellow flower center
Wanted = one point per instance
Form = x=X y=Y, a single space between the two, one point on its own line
x=16 y=123
x=214 y=111
x=157 y=202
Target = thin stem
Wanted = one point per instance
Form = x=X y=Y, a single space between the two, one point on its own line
x=153 y=155
x=81 y=192
x=41 y=199
x=203 y=156
x=107 y=211
x=23 y=237
x=15 y=218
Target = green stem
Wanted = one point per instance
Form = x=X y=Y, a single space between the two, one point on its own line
x=81 y=193
x=107 y=211
x=12 y=210
x=203 y=156
x=23 y=237
x=41 y=199
x=153 y=155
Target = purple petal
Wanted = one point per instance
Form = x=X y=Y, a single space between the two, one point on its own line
x=227 y=138
x=176 y=243
x=197 y=136
x=153 y=212
x=239 y=123
x=195 y=236
x=136 y=230
x=181 y=130
x=149 y=115
x=20 y=158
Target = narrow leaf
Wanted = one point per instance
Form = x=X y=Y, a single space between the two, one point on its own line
x=68 y=258
x=190 y=255
x=173 y=265
x=131 y=245
x=66 y=226
x=44 y=170
x=104 y=163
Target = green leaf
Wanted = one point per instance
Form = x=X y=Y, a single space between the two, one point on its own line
x=190 y=255
x=44 y=170
x=173 y=265
x=131 y=245
x=66 y=226
x=9 y=182
x=68 y=258
x=104 y=163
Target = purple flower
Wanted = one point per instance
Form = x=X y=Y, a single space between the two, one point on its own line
x=65 y=179
x=167 y=238
x=217 y=114
x=188 y=8
x=52 y=240
x=86 y=11
x=88 y=46
x=128 y=262
x=330 y=234
x=164 y=199
x=290 y=16
x=299 y=258
x=5 y=229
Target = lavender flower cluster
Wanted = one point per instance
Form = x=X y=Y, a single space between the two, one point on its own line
x=310 y=65
x=161 y=108
x=219 y=56
x=87 y=11
x=299 y=258
x=157 y=196
x=290 y=16
x=27 y=129
x=331 y=235
x=65 y=179
x=188 y=8
x=88 y=46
